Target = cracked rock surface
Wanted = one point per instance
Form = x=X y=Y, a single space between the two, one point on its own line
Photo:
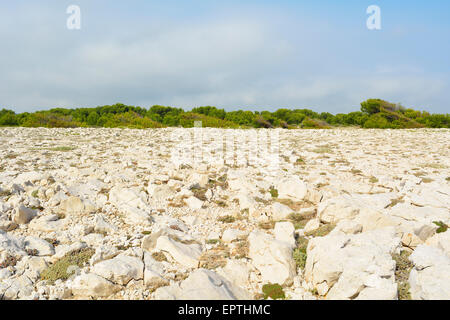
x=107 y=214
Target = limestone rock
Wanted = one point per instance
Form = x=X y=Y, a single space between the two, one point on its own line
x=120 y=269
x=272 y=258
x=185 y=254
x=292 y=188
x=202 y=284
x=23 y=215
x=92 y=285
x=429 y=279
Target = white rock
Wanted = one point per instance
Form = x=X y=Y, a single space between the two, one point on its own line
x=292 y=188
x=194 y=203
x=185 y=254
x=43 y=247
x=441 y=241
x=23 y=215
x=272 y=258
x=345 y=266
x=230 y=235
x=120 y=269
x=280 y=211
x=312 y=225
x=202 y=285
x=285 y=232
x=153 y=271
x=236 y=271
x=76 y=205
x=102 y=226
x=429 y=279
x=92 y=285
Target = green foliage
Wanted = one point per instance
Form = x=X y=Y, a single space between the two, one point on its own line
x=442 y=226
x=274 y=291
x=402 y=270
x=273 y=192
x=63 y=148
x=375 y=113
x=299 y=253
x=322 y=230
x=227 y=219
x=61 y=268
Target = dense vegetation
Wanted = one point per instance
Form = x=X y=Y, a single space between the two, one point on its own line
x=375 y=113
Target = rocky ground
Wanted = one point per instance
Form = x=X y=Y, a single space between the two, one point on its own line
x=107 y=214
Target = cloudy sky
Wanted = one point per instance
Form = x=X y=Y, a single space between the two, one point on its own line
x=247 y=54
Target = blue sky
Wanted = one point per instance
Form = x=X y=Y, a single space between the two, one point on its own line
x=258 y=55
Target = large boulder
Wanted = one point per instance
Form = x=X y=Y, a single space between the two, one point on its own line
x=338 y=208
x=272 y=258
x=280 y=211
x=40 y=246
x=292 y=188
x=76 y=205
x=202 y=284
x=360 y=266
x=429 y=279
x=92 y=285
x=131 y=203
x=185 y=254
x=120 y=269
x=23 y=215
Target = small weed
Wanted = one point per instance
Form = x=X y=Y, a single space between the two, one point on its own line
x=442 y=226
x=9 y=261
x=63 y=149
x=32 y=252
x=227 y=219
x=159 y=256
x=215 y=258
x=146 y=233
x=322 y=231
x=34 y=194
x=299 y=253
x=241 y=250
x=273 y=192
x=373 y=179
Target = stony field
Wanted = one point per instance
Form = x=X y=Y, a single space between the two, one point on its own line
x=224 y=214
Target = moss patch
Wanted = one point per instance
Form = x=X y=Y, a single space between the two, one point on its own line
x=159 y=256
x=227 y=219
x=63 y=149
x=273 y=192
x=322 y=231
x=402 y=269
x=442 y=226
x=58 y=270
x=299 y=253
x=274 y=291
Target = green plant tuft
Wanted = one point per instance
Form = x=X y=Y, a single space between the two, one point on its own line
x=59 y=269
x=442 y=226
x=274 y=291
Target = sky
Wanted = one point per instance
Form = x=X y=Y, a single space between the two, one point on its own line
x=247 y=54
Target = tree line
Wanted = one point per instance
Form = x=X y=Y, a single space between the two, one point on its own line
x=374 y=113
